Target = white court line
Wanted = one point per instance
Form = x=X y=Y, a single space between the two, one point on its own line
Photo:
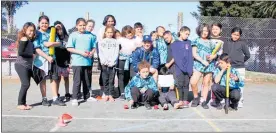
x=135 y=119
x=54 y=129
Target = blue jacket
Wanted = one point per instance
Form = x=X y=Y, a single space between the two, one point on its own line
x=137 y=81
x=140 y=54
x=183 y=57
x=162 y=48
x=233 y=84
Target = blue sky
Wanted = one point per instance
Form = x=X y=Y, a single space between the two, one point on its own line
x=151 y=14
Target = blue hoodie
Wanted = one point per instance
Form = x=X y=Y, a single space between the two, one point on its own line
x=137 y=81
x=140 y=54
x=233 y=84
x=183 y=57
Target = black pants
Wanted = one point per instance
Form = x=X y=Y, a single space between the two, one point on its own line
x=123 y=76
x=100 y=68
x=182 y=84
x=220 y=93
x=131 y=71
x=82 y=74
x=108 y=75
x=25 y=75
x=137 y=96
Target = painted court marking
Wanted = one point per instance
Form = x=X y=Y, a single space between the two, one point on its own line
x=136 y=119
x=213 y=125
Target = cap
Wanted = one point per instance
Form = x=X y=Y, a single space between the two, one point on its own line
x=147 y=38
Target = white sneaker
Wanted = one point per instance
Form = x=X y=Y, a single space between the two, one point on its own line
x=92 y=99
x=75 y=102
x=240 y=105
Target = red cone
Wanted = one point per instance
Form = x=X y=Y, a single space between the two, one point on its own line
x=156 y=107
x=126 y=106
x=66 y=118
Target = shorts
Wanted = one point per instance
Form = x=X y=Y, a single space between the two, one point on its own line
x=53 y=72
x=39 y=74
x=63 y=71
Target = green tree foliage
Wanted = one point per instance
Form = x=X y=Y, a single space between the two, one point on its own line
x=11 y=7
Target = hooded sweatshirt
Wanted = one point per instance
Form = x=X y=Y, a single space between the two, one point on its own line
x=238 y=52
x=139 y=82
x=109 y=51
x=141 y=54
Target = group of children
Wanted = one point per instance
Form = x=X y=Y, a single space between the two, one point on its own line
x=140 y=61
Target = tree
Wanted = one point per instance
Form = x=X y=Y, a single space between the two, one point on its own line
x=226 y=9
x=265 y=9
x=3 y=22
x=11 y=7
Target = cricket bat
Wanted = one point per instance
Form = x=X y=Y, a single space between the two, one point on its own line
x=52 y=39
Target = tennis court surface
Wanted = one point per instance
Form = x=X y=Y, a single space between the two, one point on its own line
x=258 y=114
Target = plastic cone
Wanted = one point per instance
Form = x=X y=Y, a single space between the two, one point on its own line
x=66 y=117
x=156 y=107
x=61 y=122
x=126 y=106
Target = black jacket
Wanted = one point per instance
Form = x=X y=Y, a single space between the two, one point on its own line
x=238 y=52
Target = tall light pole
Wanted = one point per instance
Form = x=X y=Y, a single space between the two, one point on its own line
x=179 y=20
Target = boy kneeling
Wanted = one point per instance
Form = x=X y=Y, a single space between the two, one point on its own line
x=219 y=88
x=141 y=88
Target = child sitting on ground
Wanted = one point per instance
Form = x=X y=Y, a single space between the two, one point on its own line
x=167 y=93
x=219 y=87
x=141 y=88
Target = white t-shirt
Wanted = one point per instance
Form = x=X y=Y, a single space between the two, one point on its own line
x=127 y=46
x=138 y=41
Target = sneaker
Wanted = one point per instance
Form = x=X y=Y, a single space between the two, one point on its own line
x=147 y=105
x=67 y=96
x=240 y=104
x=134 y=106
x=75 y=102
x=45 y=102
x=219 y=106
x=205 y=105
x=165 y=107
x=234 y=107
x=122 y=97
x=216 y=104
x=58 y=102
x=92 y=99
x=185 y=104
x=195 y=102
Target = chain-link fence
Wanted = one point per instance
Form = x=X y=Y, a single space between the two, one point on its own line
x=260 y=35
x=9 y=55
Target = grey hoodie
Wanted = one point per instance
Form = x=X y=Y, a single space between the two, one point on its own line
x=108 y=52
